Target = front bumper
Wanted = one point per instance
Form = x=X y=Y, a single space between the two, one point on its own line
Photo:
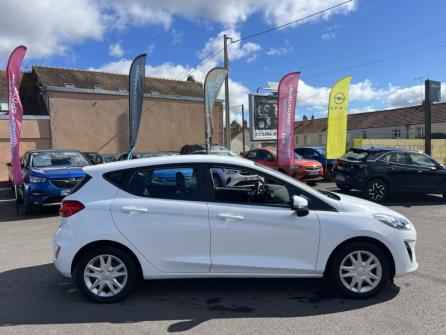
x=403 y=252
x=44 y=194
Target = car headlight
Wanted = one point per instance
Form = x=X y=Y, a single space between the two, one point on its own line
x=35 y=179
x=394 y=221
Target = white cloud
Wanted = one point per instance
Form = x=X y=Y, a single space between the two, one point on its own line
x=48 y=27
x=279 y=51
x=70 y=22
x=236 y=51
x=329 y=35
x=364 y=109
x=115 y=50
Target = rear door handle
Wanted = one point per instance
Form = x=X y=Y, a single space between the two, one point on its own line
x=230 y=217
x=133 y=209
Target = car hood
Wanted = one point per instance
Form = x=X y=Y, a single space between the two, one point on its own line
x=307 y=162
x=354 y=204
x=58 y=172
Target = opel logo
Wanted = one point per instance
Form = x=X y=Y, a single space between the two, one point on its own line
x=72 y=180
x=339 y=98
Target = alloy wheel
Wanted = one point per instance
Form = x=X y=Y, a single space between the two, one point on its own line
x=105 y=275
x=376 y=191
x=360 y=271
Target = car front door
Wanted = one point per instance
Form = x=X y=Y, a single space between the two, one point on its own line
x=254 y=230
x=430 y=178
x=161 y=211
x=400 y=174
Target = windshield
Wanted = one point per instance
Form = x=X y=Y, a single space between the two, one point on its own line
x=321 y=151
x=57 y=158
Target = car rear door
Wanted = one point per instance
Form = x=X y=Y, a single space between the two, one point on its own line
x=161 y=211
x=260 y=237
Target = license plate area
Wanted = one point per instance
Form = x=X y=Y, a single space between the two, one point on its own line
x=64 y=192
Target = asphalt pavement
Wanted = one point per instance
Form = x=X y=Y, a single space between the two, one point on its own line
x=36 y=299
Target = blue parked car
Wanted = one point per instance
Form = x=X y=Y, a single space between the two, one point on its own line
x=48 y=176
x=318 y=154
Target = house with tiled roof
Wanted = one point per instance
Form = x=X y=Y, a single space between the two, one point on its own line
x=88 y=110
x=406 y=122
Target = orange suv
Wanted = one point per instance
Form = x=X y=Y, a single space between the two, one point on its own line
x=306 y=170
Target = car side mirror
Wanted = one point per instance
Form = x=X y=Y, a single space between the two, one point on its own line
x=300 y=205
x=439 y=166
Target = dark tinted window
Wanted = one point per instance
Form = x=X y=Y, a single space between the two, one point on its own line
x=251 y=155
x=399 y=158
x=177 y=183
x=264 y=155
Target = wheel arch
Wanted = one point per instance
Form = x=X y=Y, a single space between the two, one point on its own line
x=378 y=177
x=105 y=243
x=365 y=239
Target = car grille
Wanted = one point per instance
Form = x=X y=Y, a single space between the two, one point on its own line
x=65 y=182
x=312 y=168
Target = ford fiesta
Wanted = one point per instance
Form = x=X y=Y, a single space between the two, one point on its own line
x=166 y=217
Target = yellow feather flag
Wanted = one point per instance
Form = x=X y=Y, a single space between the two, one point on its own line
x=337 y=118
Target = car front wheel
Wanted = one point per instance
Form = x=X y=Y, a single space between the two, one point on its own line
x=359 y=270
x=105 y=274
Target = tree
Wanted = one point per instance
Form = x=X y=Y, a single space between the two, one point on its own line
x=190 y=78
x=235 y=125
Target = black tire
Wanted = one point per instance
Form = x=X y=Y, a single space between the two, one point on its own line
x=30 y=209
x=334 y=270
x=120 y=255
x=343 y=187
x=376 y=190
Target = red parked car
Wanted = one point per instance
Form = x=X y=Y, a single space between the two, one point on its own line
x=307 y=170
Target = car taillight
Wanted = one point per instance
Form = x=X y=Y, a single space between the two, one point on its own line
x=70 y=207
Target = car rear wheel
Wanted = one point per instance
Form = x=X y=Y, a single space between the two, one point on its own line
x=359 y=270
x=105 y=274
x=376 y=190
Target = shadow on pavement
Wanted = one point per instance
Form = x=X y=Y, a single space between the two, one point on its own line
x=401 y=199
x=39 y=295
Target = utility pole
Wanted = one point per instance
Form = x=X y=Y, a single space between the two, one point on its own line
x=427 y=117
x=243 y=127
x=227 y=116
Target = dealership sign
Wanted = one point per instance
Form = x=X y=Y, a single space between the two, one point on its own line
x=263 y=117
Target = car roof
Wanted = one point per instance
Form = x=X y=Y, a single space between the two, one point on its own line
x=378 y=149
x=165 y=160
x=52 y=150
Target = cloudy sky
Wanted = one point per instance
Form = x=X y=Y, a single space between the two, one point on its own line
x=387 y=46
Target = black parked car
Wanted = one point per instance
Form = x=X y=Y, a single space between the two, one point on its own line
x=380 y=171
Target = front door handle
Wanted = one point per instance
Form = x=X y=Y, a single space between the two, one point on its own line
x=230 y=217
x=133 y=209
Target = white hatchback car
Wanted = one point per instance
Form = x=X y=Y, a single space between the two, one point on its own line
x=165 y=217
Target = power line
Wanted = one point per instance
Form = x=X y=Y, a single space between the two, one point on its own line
x=291 y=23
x=384 y=46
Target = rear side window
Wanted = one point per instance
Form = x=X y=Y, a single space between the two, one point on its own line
x=175 y=182
x=355 y=155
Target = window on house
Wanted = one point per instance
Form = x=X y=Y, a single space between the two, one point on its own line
x=3 y=106
x=68 y=85
x=97 y=87
x=307 y=140
x=419 y=131
x=363 y=134
x=396 y=133
x=322 y=139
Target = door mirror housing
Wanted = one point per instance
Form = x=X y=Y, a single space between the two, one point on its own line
x=300 y=205
x=439 y=166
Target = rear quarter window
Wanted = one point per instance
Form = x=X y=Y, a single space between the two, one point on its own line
x=355 y=155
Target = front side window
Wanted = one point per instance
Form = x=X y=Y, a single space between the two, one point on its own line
x=176 y=183
x=248 y=188
x=422 y=160
x=252 y=155
x=398 y=158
